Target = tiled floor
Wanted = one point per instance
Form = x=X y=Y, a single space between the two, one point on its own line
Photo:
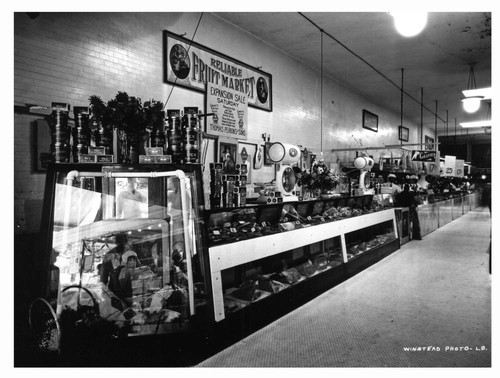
x=426 y=305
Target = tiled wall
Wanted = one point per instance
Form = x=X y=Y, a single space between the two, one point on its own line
x=67 y=57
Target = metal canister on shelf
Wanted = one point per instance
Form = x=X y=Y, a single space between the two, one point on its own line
x=104 y=138
x=79 y=150
x=81 y=136
x=60 y=135
x=158 y=138
x=191 y=153
x=174 y=139
x=191 y=135
x=81 y=133
x=58 y=124
x=60 y=152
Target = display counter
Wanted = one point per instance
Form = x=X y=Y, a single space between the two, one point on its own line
x=439 y=213
x=264 y=252
x=134 y=246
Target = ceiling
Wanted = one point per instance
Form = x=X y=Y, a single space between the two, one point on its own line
x=362 y=51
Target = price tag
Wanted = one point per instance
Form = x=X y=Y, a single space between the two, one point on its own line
x=233 y=230
x=309 y=218
x=264 y=224
x=216 y=232
x=241 y=222
x=252 y=230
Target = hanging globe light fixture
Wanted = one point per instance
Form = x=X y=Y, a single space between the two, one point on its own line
x=409 y=24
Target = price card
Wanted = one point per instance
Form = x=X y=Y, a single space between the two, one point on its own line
x=216 y=232
x=233 y=230
x=252 y=230
x=264 y=224
x=309 y=218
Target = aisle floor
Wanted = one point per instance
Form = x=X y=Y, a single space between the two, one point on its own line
x=426 y=305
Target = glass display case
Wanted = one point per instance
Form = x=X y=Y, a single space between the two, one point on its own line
x=262 y=251
x=122 y=239
x=135 y=243
x=235 y=224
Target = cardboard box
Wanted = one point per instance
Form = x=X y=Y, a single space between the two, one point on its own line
x=146 y=159
x=86 y=158
x=104 y=158
x=97 y=150
x=154 y=151
x=163 y=159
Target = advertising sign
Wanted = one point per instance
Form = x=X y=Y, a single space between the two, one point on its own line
x=192 y=65
x=229 y=110
x=426 y=156
x=459 y=168
x=449 y=165
x=433 y=168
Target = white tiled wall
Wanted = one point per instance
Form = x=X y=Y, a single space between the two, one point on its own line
x=67 y=57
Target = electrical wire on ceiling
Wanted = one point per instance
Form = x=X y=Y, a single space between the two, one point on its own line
x=189 y=47
x=321 y=97
x=369 y=64
x=402 y=97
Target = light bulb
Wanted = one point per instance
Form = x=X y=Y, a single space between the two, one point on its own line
x=409 y=24
x=471 y=104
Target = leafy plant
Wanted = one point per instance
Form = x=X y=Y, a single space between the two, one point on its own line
x=320 y=177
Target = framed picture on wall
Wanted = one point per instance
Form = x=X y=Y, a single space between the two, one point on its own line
x=404 y=134
x=429 y=140
x=370 y=121
x=227 y=150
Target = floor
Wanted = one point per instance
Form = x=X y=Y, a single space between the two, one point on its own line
x=426 y=305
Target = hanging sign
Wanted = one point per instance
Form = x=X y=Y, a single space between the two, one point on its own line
x=192 y=65
x=449 y=165
x=426 y=156
x=433 y=168
x=229 y=110
x=459 y=168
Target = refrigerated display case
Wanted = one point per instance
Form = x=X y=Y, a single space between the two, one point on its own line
x=127 y=241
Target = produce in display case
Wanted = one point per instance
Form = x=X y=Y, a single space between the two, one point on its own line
x=122 y=239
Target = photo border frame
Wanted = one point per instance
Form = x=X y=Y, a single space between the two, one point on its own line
x=370 y=121
x=403 y=133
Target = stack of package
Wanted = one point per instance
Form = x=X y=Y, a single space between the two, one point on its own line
x=227 y=189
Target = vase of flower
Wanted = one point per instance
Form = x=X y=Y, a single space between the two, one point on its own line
x=318 y=181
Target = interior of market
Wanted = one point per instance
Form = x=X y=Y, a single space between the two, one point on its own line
x=190 y=187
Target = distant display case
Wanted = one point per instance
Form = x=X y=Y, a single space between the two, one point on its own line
x=444 y=209
x=97 y=216
x=258 y=252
